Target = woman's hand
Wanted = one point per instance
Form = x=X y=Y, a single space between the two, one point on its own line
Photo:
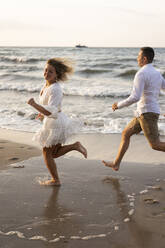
x=31 y=101
x=40 y=117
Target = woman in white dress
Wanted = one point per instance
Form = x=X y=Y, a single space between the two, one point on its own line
x=57 y=127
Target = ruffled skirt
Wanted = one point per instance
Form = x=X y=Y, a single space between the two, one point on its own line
x=55 y=131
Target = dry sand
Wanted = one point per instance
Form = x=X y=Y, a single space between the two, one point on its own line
x=94 y=207
x=11 y=152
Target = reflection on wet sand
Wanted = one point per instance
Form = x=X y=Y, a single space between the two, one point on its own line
x=61 y=224
x=137 y=236
x=87 y=211
x=58 y=224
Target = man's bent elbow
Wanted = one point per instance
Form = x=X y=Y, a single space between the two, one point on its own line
x=136 y=99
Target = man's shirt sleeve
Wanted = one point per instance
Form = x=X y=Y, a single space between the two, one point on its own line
x=138 y=87
x=163 y=83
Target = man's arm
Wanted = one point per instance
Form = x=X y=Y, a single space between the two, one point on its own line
x=163 y=83
x=136 y=93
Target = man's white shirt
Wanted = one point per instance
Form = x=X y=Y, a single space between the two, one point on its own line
x=146 y=89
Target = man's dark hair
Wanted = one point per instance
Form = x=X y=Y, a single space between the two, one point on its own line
x=149 y=53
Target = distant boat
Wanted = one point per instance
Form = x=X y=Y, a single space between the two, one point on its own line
x=80 y=46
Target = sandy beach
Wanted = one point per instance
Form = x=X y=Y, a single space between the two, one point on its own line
x=15 y=147
x=94 y=207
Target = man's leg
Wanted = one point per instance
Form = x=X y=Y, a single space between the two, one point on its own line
x=149 y=125
x=158 y=145
x=132 y=128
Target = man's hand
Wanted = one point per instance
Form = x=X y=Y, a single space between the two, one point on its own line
x=31 y=101
x=114 y=106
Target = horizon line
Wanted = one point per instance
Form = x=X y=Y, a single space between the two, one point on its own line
x=28 y=46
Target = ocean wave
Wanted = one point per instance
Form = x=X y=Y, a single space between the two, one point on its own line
x=18 y=77
x=69 y=94
x=14 y=88
x=107 y=65
x=19 y=68
x=92 y=71
x=127 y=60
x=99 y=95
x=100 y=59
x=127 y=74
x=20 y=59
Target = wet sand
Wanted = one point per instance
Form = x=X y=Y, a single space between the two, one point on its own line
x=94 y=207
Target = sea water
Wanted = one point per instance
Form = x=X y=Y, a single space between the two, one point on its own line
x=102 y=76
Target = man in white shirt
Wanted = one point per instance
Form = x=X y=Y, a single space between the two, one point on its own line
x=146 y=88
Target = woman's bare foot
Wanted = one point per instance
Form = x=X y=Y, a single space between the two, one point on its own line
x=51 y=182
x=111 y=165
x=81 y=149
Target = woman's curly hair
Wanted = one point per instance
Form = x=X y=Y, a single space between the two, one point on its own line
x=63 y=67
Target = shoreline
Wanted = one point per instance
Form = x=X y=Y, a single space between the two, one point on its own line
x=16 y=146
x=18 y=136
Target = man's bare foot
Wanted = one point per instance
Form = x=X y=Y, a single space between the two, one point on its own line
x=111 y=165
x=81 y=149
x=51 y=182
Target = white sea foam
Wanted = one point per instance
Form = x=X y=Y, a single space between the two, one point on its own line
x=89 y=237
x=132 y=204
x=54 y=240
x=126 y=219
x=38 y=238
x=75 y=237
x=143 y=191
x=94 y=236
x=70 y=214
x=19 y=234
x=42 y=180
x=131 y=212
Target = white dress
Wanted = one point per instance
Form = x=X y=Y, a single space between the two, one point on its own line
x=57 y=127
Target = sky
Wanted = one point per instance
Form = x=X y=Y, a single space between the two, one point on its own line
x=94 y=23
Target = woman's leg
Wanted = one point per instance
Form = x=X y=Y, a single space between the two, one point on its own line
x=51 y=165
x=59 y=150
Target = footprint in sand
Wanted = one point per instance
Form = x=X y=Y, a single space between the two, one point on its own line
x=13 y=159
